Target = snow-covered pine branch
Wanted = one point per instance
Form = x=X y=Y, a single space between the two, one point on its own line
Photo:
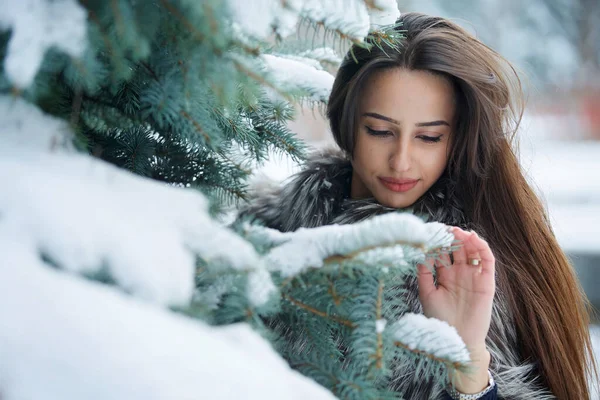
x=382 y=12
x=38 y=25
x=261 y=18
x=68 y=338
x=348 y=19
x=382 y=239
x=293 y=75
x=86 y=216
x=439 y=342
x=324 y=55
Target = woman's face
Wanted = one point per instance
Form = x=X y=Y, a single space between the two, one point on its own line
x=403 y=139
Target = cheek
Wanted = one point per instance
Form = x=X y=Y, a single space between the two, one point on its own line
x=438 y=163
x=367 y=155
x=432 y=163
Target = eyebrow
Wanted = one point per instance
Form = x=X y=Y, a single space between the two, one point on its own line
x=393 y=121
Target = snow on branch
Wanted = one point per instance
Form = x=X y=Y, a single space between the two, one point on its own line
x=350 y=19
x=293 y=74
x=26 y=126
x=324 y=55
x=440 y=341
x=311 y=248
x=86 y=216
x=38 y=25
x=260 y=18
x=68 y=338
x=382 y=12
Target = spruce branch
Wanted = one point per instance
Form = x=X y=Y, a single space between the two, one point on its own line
x=189 y=26
x=337 y=300
x=320 y=313
x=421 y=353
x=114 y=4
x=197 y=126
x=260 y=79
x=335 y=259
x=430 y=339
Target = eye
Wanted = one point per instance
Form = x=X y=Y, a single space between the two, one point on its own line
x=430 y=139
x=373 y=132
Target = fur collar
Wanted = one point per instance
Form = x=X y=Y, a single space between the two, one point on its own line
x=319 y=195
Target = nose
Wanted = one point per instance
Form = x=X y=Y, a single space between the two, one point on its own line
x=400 y=157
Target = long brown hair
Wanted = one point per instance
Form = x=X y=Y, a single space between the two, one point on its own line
x=550 y=309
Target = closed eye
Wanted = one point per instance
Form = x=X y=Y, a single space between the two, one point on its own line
x=430 y=139
x=373 y=132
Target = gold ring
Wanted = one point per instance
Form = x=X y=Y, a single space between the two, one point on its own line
x=474 y=261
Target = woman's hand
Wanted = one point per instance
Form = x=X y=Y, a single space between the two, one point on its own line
x=463 y=298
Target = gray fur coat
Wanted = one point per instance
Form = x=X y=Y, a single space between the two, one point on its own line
x=319 y=195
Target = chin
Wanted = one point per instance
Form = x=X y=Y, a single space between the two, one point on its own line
x=390 y=201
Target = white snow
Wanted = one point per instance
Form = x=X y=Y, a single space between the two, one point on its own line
x=308 y=248
x=392 y=256
x=18 y=116
x=259 y=18
x=65 y=338
x=292 y=74
x=323 y=55
x=36 y=26
x=286 y=19
x=435 y=337
x=385 y=12
x=88 y=216
x=260 y=286
x=380 y=325
x=349 y=17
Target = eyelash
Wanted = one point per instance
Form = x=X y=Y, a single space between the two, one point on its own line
x=427 y=139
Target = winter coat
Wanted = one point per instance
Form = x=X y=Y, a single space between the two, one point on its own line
x=319 y=195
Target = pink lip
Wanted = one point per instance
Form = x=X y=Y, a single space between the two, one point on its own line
x=399 y=185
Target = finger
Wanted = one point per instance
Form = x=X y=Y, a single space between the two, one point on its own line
x=460 y=254
x=474 y=262
x=473 y=257
x=444 y=260
x=442 y=265
x=425 y=280
x=477 y=245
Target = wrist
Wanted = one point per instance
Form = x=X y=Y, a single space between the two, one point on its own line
x=476 y=378
x=490 y=389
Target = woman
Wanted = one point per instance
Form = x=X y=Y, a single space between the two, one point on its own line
x=429 y=128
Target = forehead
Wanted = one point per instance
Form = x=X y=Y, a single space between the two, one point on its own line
x=408 y=95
